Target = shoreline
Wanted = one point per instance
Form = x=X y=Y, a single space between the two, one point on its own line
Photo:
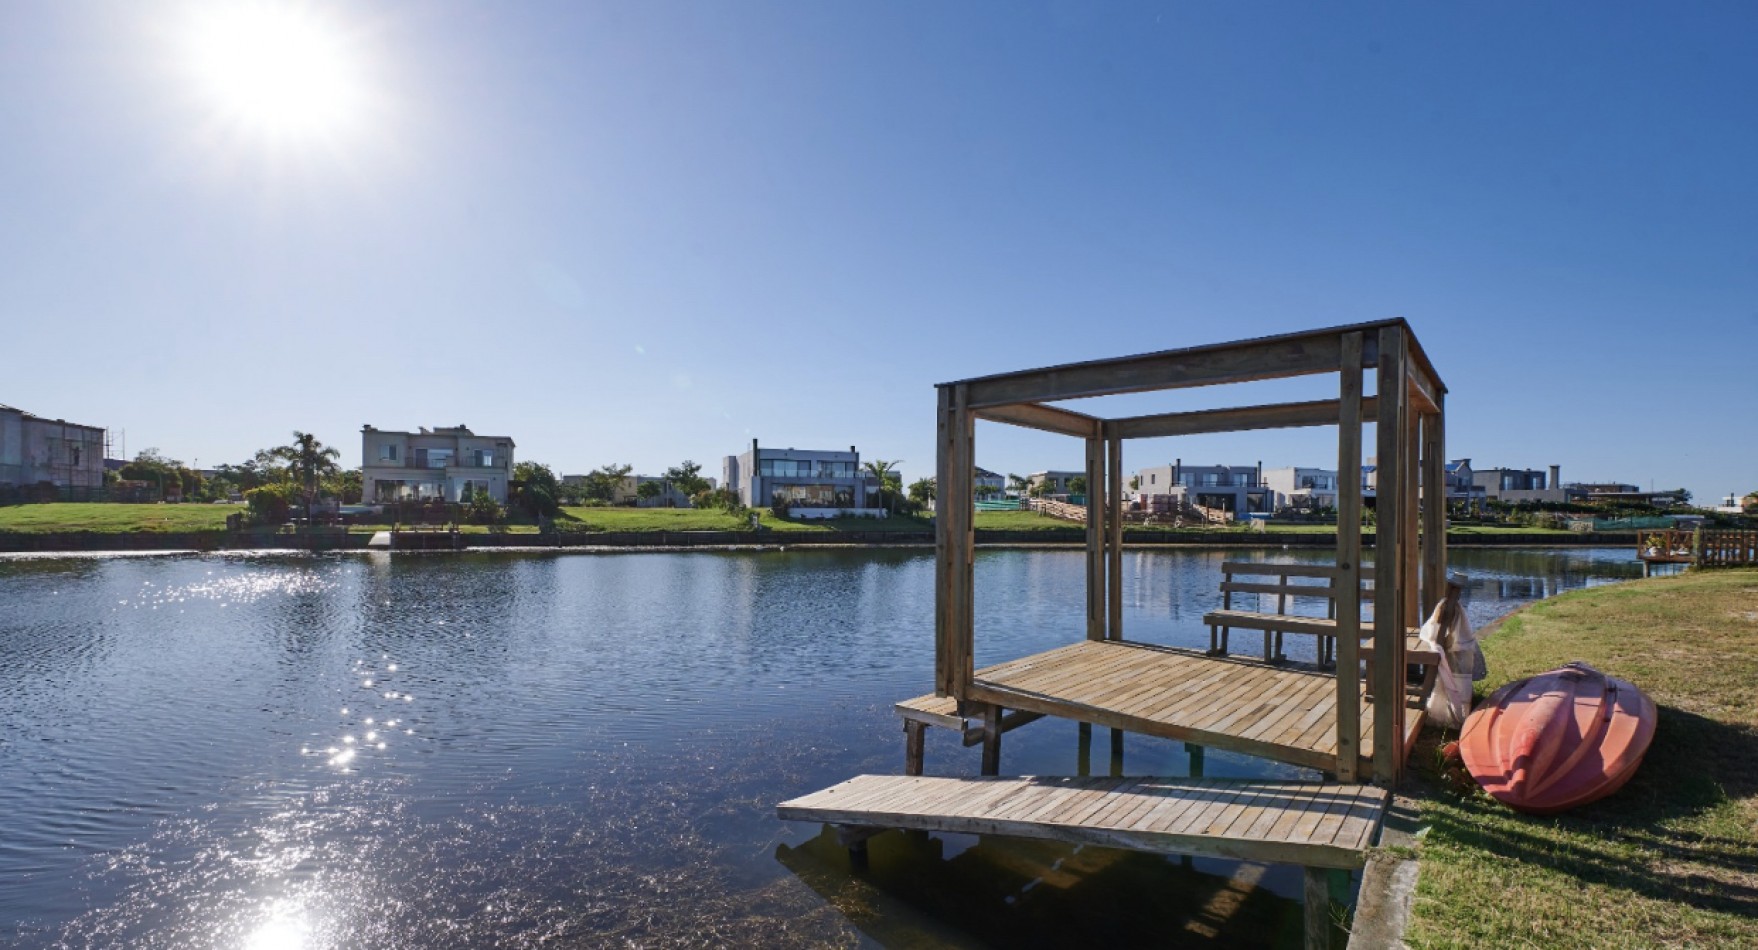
x=84 y=542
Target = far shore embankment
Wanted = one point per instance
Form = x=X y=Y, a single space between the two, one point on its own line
x=1071 y=538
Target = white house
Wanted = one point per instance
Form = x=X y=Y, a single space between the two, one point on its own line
x=443 y=463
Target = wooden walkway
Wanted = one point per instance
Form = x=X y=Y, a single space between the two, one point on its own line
x=1288 y=715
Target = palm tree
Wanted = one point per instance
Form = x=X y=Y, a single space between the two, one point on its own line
x=307 y=460
x=1018 y=485
x=889 y=478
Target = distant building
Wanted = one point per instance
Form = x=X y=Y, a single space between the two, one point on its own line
x=65 y=454
x=1235 y=488
x=813 y=482
x=984 y=481
x=1520 y=484
x=1302 y=488
x=1056 y=482
x=443 y=463
x=1462 y=487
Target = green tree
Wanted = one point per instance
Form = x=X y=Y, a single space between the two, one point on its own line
x=922 y=491
x=345 y=486
x=308 y=461
x=535 y=489
x=648 y=491
x=889 y=478
x=687 y=478
x=1077 y=485
x=603 y=483
x=1017 y=484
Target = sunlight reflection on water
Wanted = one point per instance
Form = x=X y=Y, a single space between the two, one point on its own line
x=595 y=755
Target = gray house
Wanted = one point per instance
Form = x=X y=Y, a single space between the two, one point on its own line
x=443 y=463
x=815 y=483
x=65 y=454
x=1235 y=488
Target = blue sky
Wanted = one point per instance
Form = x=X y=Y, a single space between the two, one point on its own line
x=647 y=232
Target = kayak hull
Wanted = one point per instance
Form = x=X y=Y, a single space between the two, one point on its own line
x=1558 y=740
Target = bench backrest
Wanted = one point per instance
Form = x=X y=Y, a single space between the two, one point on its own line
x=1283 y=589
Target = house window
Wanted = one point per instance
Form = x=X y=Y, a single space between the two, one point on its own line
x=387 y=453
x=439 y=458
x=74 y=450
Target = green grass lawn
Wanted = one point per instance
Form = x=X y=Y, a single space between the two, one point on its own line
x=1672 y=858
x=114 y=518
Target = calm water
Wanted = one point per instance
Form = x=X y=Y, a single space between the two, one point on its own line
x=276 y=750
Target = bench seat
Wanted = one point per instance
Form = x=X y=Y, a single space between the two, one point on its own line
x=1318 y=626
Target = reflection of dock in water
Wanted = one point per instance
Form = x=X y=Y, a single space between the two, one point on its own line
x=1022 y=892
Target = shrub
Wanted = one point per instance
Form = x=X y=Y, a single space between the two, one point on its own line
x=271 y=504
x=780 y=508
x=723 y=499
x=484 y=509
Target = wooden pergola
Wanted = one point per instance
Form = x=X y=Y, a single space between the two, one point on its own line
x=1406 y=403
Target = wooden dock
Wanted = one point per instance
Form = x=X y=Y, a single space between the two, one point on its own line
x=1312 y=824
x=1323 y=827
x=1280 y=713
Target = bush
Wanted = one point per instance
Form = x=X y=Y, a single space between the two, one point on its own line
x=723 y=499
x=781 y=509
x=271 y=504
x=484 y=509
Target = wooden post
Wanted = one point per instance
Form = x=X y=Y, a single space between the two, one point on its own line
x=913 y=746
x=953 y=535
x=1317 y=893
x=1116 y=752
x=1411 y=549
x=1095 y=538
x=1389 y=586
x=1114 y=575
x=1348 y=580
x=1434 y=506
x=991 y=740
x=1084 y=752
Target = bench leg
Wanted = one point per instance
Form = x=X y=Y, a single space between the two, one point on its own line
x=913 y=746
x=992 y=740
x=1318 y=909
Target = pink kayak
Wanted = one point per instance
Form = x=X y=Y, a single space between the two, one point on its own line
x=1559 y=739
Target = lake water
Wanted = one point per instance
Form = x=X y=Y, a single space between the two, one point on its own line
x=514 y=749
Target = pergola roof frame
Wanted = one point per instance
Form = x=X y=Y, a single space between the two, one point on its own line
x=1407 y=406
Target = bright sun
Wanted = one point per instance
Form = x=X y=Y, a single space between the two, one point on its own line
x=276 y=68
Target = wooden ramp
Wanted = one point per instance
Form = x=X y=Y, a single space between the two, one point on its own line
x=1312 y=824
x=1289 y=715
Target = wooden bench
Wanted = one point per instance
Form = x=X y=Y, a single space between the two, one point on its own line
x=1275 y=625
x=1319 y=826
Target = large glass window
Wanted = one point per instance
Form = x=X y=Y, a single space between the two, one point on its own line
x=439 y=458
x=814 y=496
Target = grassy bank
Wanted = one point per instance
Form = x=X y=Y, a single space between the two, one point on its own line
x=114 y=518
x=1672 y=859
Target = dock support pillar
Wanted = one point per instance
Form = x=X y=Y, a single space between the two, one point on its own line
x=913 y=746
x=1116 y=752
x=1318 y=909
x=1085 y=751
x=991 y=740
x=1196 y=759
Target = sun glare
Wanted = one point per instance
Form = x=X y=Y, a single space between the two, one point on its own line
x=277 y=68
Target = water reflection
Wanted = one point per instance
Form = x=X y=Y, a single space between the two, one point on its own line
x=572 y=749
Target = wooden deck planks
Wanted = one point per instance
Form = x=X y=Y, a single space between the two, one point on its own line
x=1309 y=823
x=1281 y=713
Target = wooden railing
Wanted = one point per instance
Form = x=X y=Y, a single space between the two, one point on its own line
x=1701 y=548
x=1059 y=509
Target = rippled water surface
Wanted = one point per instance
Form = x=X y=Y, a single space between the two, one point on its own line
x=281 y=750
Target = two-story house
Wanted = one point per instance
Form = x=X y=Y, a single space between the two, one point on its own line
x=1235 y=488
x=1302 y=488
x=65 y=454
x=813 y=482
x=443 y=463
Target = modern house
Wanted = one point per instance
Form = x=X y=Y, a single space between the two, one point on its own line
x=34 y=450
x=1302 y=488
x=1462 y=487
x=1056 y=482
x=1520 y=484
x=985 y=482
x=1235 y=488
x=814 y=483
x=443 y=463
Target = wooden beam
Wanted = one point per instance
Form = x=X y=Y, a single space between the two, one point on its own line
x=1288 y=415
x=1434 y=511
x=1095 y=538
x=1114 y=572
x=1046 y=418
x=1270 y=358
x=954 y=543
x=1426 y=397
x=1388 y=641
x=1347 y=581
